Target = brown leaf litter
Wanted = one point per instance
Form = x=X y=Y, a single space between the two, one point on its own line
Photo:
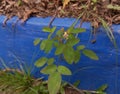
x=43 y=8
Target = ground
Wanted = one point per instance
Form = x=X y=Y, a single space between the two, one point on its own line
x=91 y=11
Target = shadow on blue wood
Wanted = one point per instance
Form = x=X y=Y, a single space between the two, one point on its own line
x=16 y=44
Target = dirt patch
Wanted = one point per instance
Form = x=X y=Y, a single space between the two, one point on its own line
x=43 y=8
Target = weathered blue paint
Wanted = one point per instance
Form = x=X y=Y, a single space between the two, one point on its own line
x=16 y=40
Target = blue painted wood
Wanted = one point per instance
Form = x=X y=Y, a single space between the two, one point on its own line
x=16 y=47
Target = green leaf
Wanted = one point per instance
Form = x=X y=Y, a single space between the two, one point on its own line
x=59 y=49
x=80 y=47
x=102 y=88
x=49 y=36
x=47 y=29
x=76 y=56
x=56 y=44
x=60 y=33
x=69 y=54
x=49 y=69
x=54 y=82
x=64 y=70
x=76 y=84
x=43 y=44
x=71 y=36
x=90 y=54
x=73 y=41
x=49 y=45
x=36 y=41
x=70 y=29
x=53 y=29
x=77 y=30
x=40 y=62
x=50 y=61
x=46 y=45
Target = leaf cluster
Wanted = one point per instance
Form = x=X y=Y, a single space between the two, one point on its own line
x=67 y=46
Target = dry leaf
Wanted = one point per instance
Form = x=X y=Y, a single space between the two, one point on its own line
x=65 y=2
x=26 y=1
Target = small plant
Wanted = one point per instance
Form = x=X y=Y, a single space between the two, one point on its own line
x=67 y=47
x=19 y=81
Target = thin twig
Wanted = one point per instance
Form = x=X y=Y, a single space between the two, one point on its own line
x=52 y=19
x=80 y=91
x=83 y=91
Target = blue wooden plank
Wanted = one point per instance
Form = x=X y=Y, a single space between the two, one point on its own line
x=17 y=42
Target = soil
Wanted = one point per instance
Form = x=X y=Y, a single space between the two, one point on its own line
x=43 y=8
